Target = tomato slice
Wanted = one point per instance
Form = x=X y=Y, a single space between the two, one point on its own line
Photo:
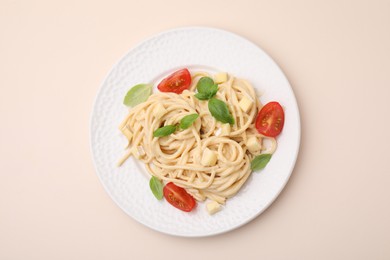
x=177 y=82
x=178 y=197
x=270 y=120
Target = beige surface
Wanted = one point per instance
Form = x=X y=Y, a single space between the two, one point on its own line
x=53 y=58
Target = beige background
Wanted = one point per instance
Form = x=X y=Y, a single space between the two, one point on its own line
x=53 y=57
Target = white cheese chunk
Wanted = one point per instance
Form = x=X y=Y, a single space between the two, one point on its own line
x=225 y=129
x=213 y=207
x=159 y=111
x=253 y=144
x=245 y=103
x=220 y=77
x=218 y=132
x=209 y=158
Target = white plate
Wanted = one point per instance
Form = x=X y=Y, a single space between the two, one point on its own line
x=196 y=48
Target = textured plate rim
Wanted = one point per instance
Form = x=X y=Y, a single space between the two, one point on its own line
x=294 y=157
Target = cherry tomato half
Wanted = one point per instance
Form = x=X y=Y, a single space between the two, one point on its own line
x=177 y=82
x=178 y=197
x=270 y=120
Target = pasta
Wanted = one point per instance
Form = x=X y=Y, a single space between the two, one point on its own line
x=183 y=157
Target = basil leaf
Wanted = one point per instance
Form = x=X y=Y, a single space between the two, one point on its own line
x=260 y=161
x=208 y=92
x=157 y=187
x=164 y=131
x=220 y=111
x=204 y=84
x=202 y=96
x=187 y=121
x=137 y=94
x=213 y=90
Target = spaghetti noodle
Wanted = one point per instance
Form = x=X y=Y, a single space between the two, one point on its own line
x=178 y=157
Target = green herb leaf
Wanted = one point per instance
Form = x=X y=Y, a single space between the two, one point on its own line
x=207 y=95
x=157 y=187
x=204 y=84
x=220 y=111
x=202 y=96
x=188 y=120
x=164 y=131
x=137 y=94
x=213 y=90
x=260 y=161
x=206 y=88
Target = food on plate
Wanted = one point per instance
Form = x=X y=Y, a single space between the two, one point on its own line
x=270 y=119
x=176 y=83
x=178 y=197
x=200 y=136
